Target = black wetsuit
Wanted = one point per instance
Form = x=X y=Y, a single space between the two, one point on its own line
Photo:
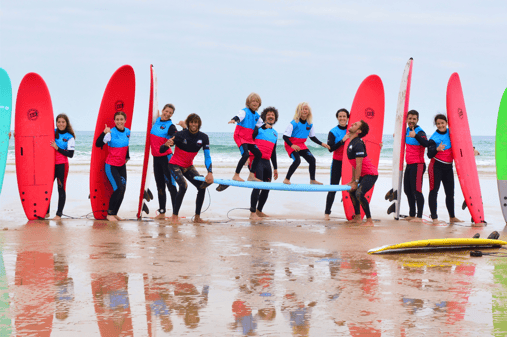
x=414 y=171
x=336 y=146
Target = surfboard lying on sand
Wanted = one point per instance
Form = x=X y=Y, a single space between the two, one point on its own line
x=279 y=186
x=438 y=244
x=399 y=141
x=501 y=154
x=5 y=120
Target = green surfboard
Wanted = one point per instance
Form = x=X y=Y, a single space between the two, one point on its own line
x=501 y=153
x=5 y=120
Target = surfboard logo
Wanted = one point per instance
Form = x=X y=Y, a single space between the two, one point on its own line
x=460 y=113
x=369 y=113
x=32 y=114
x=119 y=105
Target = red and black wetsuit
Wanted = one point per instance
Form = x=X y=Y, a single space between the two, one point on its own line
x=413 y=180
x=181 y=165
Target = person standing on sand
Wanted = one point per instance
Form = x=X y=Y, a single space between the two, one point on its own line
x=188 y=142
x=440 y=169
x=336 y=141
x=364 y=173
x=299 y=129
x=247 y=120
x=416 y=142
x=265 y=139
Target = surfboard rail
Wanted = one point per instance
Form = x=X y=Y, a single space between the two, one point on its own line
x=435 y=244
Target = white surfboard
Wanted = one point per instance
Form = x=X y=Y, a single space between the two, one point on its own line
x=399 y=141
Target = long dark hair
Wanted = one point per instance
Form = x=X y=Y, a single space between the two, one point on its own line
x=68 y=129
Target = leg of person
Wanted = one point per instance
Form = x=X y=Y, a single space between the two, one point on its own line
x=310 y=159
x=158 y=171
x=448 y=182
x=409 y=192
x=122 y=170
x=242 y=161
x=257 y=157
x=266 y=175
x=115 y=179
x=357 y=209
x=419 y=197
x=295 y=164
x=336 y=174
x=49 y=206
x=366 y=183
x=61 y=171
x=177 y=175
x=254 y=198
x=435 y=177
x=190 y=173
x=169 y=180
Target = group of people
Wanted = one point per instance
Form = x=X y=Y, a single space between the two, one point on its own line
x=257 y=140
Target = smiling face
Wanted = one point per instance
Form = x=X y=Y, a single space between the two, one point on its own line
x=167 y=113
x=354 y=127
x=412 y=121
x=254 y=104
x=342 y=118
x=61 y=124
x=441 y=125
x=119 y=121
x=193 y=126
x=305 y=111
x=270 y=117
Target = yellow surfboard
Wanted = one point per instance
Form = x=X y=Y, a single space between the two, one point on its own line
x=438 y=244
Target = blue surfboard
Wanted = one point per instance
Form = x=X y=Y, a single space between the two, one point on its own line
x=5 y=120
x=279 y=186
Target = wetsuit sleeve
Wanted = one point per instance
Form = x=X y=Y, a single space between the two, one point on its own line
x=287 y=140
x=172 y=131
x=432 y=149
x=66 y=153
x=100 y=141
x=240 y=116
x=422 y=139
x=288 y=131
x=207 y=156
x=259 y=123
x=256 y=132
x=315 y=140
x=331 y=141
x=273 y=158
x=128 y=154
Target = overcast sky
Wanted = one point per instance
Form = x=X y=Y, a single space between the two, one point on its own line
x=209 y=55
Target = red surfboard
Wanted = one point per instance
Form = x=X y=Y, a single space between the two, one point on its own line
x=462 y=149
x=118 y=96
x=35 y=158
x=368 y=105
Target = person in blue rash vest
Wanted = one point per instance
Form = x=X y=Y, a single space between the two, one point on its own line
x=64 y=145
x=265 y=139
x=416 y=142
x=117 y=140
x=336 y=141
x=188 y=142
x=440 y=169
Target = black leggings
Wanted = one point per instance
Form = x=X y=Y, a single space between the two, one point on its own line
x=163 y=178
x=296 y=156
x=336 y=175
x=117 y=176
x=358 y=196
x=441 y=173
x=179 y=174
x=413 y=182
x=61 y=171
x=245 y=149
x=259 y=197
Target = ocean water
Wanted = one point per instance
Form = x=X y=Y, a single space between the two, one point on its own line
x=224 y=151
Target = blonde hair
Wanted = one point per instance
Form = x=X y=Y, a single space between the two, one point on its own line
x=251 y=97
x=298 y=112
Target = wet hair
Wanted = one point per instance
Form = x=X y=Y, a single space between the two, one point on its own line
x=269 y=109
x=440 y=116
x=413 y=113
x=343 y=110
x=251 y=97
x=365 y=128
x=120 y=113
x=298 y=112
x=191 y=118
x=169 y=105
x=68 y=128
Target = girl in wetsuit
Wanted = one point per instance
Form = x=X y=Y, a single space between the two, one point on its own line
x=440 y=169
x=295 y=137
x=117 y=140
x=188 y=142
x=161 y=131
x=64 y=145
x=336 y=141
x=247 y=120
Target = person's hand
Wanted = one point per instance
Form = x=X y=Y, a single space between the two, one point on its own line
x=53 y=145
x=209 y=178
x=275 y=174
x=107 y=129
x=170 y=142
x=411 y=134
x=353 y=185
x=326 y=146
x=381 y=144
x=268 y=126
x=10 y=135
x=295 y=147
x=232 y=121
x=441 y=147
x=347 y=136
x=182 y=124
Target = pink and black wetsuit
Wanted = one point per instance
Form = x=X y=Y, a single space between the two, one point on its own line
x=413 y=180
x=247 y=120
x=440 y=171
x=335 y=141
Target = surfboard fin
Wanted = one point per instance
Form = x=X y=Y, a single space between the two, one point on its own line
x=145 y=208
x=148 y=195
x=391 y=208
x=464 y=205
x=388 y=195
x=221 y=187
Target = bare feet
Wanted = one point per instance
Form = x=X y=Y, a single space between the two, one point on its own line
x=326 y=217
x=453 y=220
x=111 y=218
x=254 y=216
x=416 y=220
x=260 y=214
x=437 y=222
x=197 y=219
x=160 y=216
x=315 y=182
x=236 y=177
x=118 y=218
x=175 y=219
x=409 y=218
x=251 y=177
x=369 y=222
x=57 y=218
x=355 y=219
x=47 y=216
x=286 y=181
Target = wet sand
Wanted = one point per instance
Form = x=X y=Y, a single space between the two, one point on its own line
x=291 y=274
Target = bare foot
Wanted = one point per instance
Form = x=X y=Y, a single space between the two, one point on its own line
x=236 y=177
x=437 y=222
x=453 y=220
x=260 y=214
x=251 y=177
x=315 y=182
x=111 y=218
x=369 y=222
x=254 y=216
x=355 y=219
x=409 y=218
x=416 y=220
x=326 y=217
x=175 y=219
x=160 y=216
x=286 y=181
x=57 y=218
x=118 y=218
x=47 y=216
x=197 y=219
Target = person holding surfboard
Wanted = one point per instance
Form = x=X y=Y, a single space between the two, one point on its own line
x=181 y=165
x=440 y=169
x=299 y=129
x=416 y=142
x=246 y=121
x=265 y=139
x=364 y=173
x=336 y=141
x=117 y=140
x=64 y=145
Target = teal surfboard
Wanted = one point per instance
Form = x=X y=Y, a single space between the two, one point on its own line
x=279 y=186
x=5 y=120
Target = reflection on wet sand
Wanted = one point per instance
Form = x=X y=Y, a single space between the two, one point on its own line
x=5 y=321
